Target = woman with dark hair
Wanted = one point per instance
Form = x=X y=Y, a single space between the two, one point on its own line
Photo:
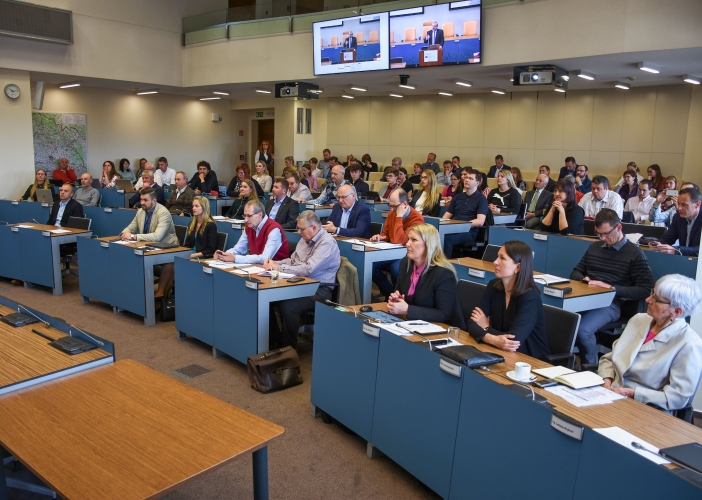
x=452 y=188
x=403 y=182
x=41 y=181
x=511 y=315
x=109 y=175
x=565 y=216
x=202 y=230
x=518 y=181
x=655 y=176
x=142 y=165
x=124 y=170
x=265 y=154
x=630 y=187
x=368 y=165
x=246 y=193
x=243 y=171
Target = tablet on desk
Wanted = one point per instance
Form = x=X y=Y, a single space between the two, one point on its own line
x=383 y=317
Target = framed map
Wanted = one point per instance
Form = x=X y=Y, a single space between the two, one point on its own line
x=60 y=135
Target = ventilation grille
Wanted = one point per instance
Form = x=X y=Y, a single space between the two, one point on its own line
x=26 y=20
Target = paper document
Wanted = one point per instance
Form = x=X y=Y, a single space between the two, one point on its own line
x=585 y=397
x=444 y=220
x=580 y=380
x=634 y=237
x=421 y=327
x=624 y=438
x=384 y=246
x=550 y=279
x=59 y=231
x=25 y=226
x=393 y=328
x=250 y=270
x=121 y=242
x=218 y=264
x=553 y=371
x=282 y=276
x=219 y=217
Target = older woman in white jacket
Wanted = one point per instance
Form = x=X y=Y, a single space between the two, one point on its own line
x=658 y=358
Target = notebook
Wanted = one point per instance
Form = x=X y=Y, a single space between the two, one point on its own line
x=45 y=196
x=579 y=380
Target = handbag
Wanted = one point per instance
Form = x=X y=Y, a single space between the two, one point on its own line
x=471 y=356
x=168 y=307
x=274 y=370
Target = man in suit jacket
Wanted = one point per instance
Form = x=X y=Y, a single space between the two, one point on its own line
x=65 y=208
x=435 y=36
x=498 y=166
x=356 y=173
x=570 y=167
x=280 y=207
x=181 y=199
x=544 y=198
x=685 y=228
x=546 y=170
x=349 y=217
x=351 y=42
x=147 y=178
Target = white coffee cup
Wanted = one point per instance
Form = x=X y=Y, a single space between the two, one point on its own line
x=522 y=370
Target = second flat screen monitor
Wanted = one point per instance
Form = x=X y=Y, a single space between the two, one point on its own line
x=436 y=35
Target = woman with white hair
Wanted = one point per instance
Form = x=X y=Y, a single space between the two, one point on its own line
x=658 y=358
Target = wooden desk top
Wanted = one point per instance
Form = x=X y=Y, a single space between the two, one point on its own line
x=47 y=227
x=141 y=244
x=265 y=280
x=24 y=355
x=124 y=431
x=366 y=249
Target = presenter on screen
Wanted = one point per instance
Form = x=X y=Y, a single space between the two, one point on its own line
x=351 y=42
x=435 y=36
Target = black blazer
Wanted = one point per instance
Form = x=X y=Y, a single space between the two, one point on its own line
x=493 y=170
x=575 y=216
x=205 y=243
x=439 y=37
x=433 y=212
x=235 y=185
x=351 y=42
x=524 y=318
x=287 y=213
x=543 y=204
x=361 y=187
x=435 y=299
x=73 y=209
x=210 y=183
x=678 y=232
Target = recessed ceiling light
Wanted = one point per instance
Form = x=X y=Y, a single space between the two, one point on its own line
x=649 y=67
x=408 y=86
x=463 y=83
x=695 y=80
x=209 y=98
x=219 y=92
x=559 y=90
x=511 y=79
x=565 y=77
x=147 y=92
x=359 y=88
x=622 y=85
x=263 y=91
x=447 y=94
x=586 y=75
x=69 y=85
x=347 y=96
x=495 y=90
x=396 y=95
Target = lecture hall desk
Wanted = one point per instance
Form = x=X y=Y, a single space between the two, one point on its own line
x=466 y=435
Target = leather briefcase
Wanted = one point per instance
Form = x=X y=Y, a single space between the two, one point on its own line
x=274 y=370
x=168 y=307
x=471 y=356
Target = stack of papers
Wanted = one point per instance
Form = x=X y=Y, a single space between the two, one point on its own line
x=585 y=397
x=250 y=270
x=59 y=231
x=121 y=242
x=282 y=276
x=550 y=279
x=219 y=217
x=580 y=380
x=624 y=438
x=238 y=221
x=218 y=264
x=421 y=327
x=634 y=237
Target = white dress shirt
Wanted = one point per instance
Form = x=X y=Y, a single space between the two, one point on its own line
x=640 y=208
x=592 y=205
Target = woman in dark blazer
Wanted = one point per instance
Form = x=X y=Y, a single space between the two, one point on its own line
x=202 y=230
x=564 y=216
x=511 y=315
x=246 y=193
x=426 y=285
x=427 y=198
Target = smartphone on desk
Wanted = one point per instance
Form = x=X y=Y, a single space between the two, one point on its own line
x=547 y=382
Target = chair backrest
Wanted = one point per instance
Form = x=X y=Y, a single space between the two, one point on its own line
x=373 y=36
x=448 y=29
x=292 y=245
x=376 y=228
x=379 y=186
x=561 y=328
x=392 y=36
x=589 y=227
x=470 y=28
x=221 y=241
x=321 y=41
x=360 y=37
x=79 y=223
x=334 y=41
x=522 y=211
x=374 y=176
x=425 y=30
x=469 y=296
x=410 y=34
x=181 y=232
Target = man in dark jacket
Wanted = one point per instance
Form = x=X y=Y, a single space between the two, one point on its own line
x=65 y=208
x=280 y=207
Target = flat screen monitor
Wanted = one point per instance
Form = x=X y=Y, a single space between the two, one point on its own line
x=436 y=35
x=351 y=44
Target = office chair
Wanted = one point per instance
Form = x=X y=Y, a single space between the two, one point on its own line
x=181 y=232
x=376 y=228
x=561 y=330
x=469 y=295
x=520 y=221
x=481 y=239
x=221 y=241
x=292 y=245
x=69 y=250
x=610 y=332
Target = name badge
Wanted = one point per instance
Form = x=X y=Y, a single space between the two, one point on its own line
x=14 y=229
x=553 y=292
x=385 y=214
x=310 y=206
x=45 y=205
x=120 y=191
x=104 y=244
x=370 y=330
x=541 y=237
x=236 y=226
x=207 y=270
x=476 y=273
x=253 y=285
x=357 y=247
x=46 y=233
x=450 y=368
x=15 y=202
x=567 y=426
x=138 y=251
x=108 y=210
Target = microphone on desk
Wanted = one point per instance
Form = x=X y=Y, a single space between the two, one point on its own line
x=43 y=226
x=255 y=280
x=485 y=368
x=345 y=308
x=89 y=336
x=426 y=339
x=46 y=323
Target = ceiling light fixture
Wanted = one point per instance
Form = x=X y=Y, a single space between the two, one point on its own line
x=69 y=85
x=147 y=92
x=649 y=67
x=219 y=92
x=209 y=98
x=622 y=85
x=695 y=80
x=447 y=94
x=396 y=95
x=566 y=78
x=347 y=96
x=359 y=88
x=263 y=91
x=408 y=86
x=495 y=90
x=586 y=75
x=463 y=83
x=559 y=90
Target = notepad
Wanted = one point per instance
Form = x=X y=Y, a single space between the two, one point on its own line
x=579 y=380
x=549 y=279
x=553 y=371
x=421 y=327
x=250 y=270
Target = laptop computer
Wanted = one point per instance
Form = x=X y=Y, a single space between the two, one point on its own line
x=125 y=185
x=45 y=196
x=161 y=245
x=490 y=254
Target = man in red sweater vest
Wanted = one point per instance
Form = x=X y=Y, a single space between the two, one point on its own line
x=64 y=172
x=262 y=239
x=401 y=218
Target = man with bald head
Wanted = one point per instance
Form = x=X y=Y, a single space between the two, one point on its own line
x=538 y=202
x=328 y=196
x=86 y=194
x=349 y=217
x=64 y=172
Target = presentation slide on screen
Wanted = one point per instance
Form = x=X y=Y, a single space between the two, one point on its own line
x=435 y=35
x=351 y=44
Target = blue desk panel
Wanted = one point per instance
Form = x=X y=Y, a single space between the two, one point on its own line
x=113 y=198
x=378 y=216
x=9 y=211
x=235 y=319
x=29 y=212
x=110 y=221
x=127 y=279
x=663 y=263
x=364 y=52
x=95 y=270
x=501 y=235
x=348 y=395
x=564 y=254
x=10 y=254
x=494 y=423
x=416 y=409
x=194 y=296
x=233 y=235
x=37 y=257
x=455 y=52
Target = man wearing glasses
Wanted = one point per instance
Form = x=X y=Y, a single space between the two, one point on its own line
x=614 y=263
x=348 y=217
x=262 y=239
x=316 y=256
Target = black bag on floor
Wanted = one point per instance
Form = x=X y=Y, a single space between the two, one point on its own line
x=274 y=370
x=168 y=307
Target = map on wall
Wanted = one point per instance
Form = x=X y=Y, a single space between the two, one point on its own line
x=60 y=135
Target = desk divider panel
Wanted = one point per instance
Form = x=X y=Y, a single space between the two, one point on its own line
x=506 y=446
x=663 y=263
x=10 y=254
x=235 y=316
x=37 y=257
x=127 y=278
x=564 y=254
x=194 y=294
x=233 y=235
x=109 y=223
x=28 y=212
x=500 y=235
x=95 y=270
x=344 y=365
x=9 y=211
x=416 y=409
x=112 y=198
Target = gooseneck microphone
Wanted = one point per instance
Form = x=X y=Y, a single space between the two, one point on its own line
x=46 y=323
x=345 y=308
x=485 y=368
x=101 y=344
x=43 y=226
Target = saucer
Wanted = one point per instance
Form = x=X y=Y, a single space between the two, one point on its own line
x=532 y=378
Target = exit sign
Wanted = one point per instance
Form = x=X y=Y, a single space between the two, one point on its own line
x=259 y=114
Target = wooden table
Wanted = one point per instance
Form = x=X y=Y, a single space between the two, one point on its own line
x=125 y=431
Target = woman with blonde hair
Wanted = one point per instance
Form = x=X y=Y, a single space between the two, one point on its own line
x=246 y=193
x=506 y=196
x=426 y=285
x=264 y=180
x=427 y=199
x=41 y=181
x=109 y=175
x=202 y=230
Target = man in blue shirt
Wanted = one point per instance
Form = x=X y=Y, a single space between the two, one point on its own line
x=349 y=217
x=685 y=228
x=582 y=181
x=469 y=205
x=66 y=208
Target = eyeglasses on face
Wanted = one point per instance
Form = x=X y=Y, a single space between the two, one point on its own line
x=603 y=235
x=248 y=216
x=656 y=298
x=345 y=196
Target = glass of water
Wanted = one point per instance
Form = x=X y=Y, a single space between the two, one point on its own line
x=274 y=276
x=454 y=333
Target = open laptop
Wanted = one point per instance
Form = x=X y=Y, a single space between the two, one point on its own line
x=125 y=185
x=490 y=254
x=45 y=196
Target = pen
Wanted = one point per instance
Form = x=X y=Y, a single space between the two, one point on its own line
x=417 y=324
x=42 y=335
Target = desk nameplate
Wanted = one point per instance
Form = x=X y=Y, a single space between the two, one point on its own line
x=541 y=237
x=15 y=202
x=477 y=273
x=553 y=292
x=46 y=233
x=108 y=210
x=358 y=248
x=14 y=229
x=236 y=226
x=105 y=244
x=46 y=205
x=450 y=368
x=253 y=285
x=120 y=191
x=310 y=206
x=207 y=270
x=567 y=426
x=371 y=330
x=138 y=251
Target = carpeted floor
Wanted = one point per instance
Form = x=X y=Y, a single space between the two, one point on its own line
x=310 y=461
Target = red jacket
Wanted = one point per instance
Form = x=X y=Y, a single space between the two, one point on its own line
x=69 y=177
x=396 y=230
